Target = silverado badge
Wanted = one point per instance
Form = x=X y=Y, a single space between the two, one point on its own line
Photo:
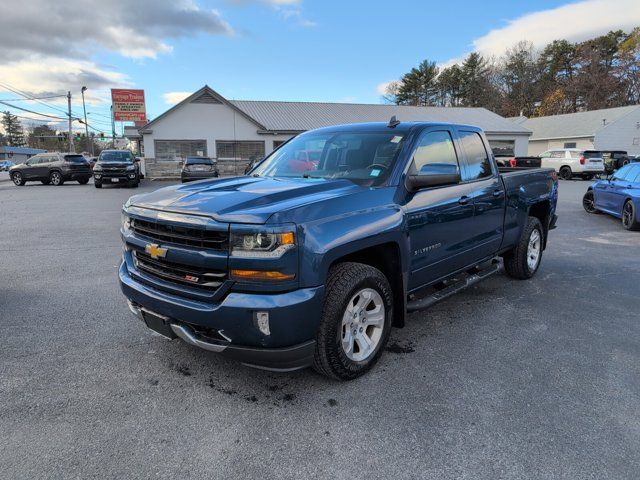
x=155 y=250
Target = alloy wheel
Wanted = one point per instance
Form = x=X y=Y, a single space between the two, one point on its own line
x=55 y=178
x=533 y=249
x=17 y=178
x=362 y=324
x=588 y=202
x=627 y=215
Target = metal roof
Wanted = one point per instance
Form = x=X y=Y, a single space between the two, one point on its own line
x=21 y=150
x=575 y=125
x=301 y=116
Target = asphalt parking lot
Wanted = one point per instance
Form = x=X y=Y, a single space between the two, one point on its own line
x=510 y=379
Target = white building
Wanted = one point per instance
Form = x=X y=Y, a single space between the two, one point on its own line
x=606 y=129
x=206 y=123
x=18 y=154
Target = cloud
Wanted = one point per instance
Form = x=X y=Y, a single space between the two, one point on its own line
x=75 y=27
x=171 y=98
x=382 y=87
x=574 y=22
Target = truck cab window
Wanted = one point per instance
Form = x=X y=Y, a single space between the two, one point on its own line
x=478 y=163
x=433 y=147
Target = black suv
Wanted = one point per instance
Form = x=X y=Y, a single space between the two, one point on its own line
x=117 y=167
x=614 y=159
x=52 y=168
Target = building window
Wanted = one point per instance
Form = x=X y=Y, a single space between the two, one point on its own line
x=277 y=143
x=569 y=145
x=179 y=149
x=503 y=148
x=242 y=150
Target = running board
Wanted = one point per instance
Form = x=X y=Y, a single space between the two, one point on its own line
x=472 y=279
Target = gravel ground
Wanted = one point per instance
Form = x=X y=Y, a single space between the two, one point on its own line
x=509 y=379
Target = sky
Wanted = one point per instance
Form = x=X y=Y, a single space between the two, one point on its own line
x=296 y=50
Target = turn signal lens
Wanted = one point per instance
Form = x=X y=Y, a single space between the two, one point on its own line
x=287 y=238
x=261 y=275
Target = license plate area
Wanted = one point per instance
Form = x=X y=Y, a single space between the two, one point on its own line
x=158 y=324
x=115 y=180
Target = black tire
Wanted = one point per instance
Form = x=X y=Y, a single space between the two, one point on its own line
x=345 y=280
x=45 y=182
x=18 y=179
x=626 y=161
x=83 y=181
x=55 y=178
x=587 y=176
x=97 y=184
x=630 y=216
x=566 y=173
x=516 y=263
x=588 y=202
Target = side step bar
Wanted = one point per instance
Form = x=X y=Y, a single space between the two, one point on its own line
x=472 y=279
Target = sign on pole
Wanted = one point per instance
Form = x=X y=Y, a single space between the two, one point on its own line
x=128 y=105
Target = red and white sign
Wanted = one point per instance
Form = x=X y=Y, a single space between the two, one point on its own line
x=128 y=105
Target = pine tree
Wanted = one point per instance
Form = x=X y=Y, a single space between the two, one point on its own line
x=12 y=130
x=418 y=87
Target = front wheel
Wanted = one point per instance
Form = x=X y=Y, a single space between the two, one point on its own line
x=55 y=179
x=356 y=321
x=629 y=217
x=589 y=203
x=18 y=179
x=97 y=184
x=523 y=260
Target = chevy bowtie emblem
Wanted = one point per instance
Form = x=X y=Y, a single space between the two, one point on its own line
x=155 y=251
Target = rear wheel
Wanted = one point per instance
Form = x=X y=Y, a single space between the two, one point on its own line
x=589 y=203
x=55 y=178
x=356 y=321
x=45 y=182
x=98 y=184
x=83 y=181
x=18 y=179
x=566 y=173
x=629 y=217
x=523 y=260
x=587 y=176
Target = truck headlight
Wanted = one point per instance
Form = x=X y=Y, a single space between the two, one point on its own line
x=130 y=168
x=261 y=244
x=125 y=219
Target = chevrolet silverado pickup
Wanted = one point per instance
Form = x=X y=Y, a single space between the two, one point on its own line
x=286 y=268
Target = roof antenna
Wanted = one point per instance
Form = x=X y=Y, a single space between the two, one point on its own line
x=394 y=122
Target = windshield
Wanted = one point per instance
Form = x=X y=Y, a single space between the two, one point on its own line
x=198 y=161
x=592 y=154
x=364 y=158
x=116 y=157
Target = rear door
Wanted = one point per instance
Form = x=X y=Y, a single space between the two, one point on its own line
x=438 y=217
x=488 y=195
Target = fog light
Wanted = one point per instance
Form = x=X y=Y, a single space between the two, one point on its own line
x=132 y=175
x=261 y=320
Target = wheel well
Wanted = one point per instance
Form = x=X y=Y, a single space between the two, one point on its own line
x=386 y=258
x=541 y=210
x=567 y=166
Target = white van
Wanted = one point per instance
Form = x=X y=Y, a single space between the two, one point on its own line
x=570 y=162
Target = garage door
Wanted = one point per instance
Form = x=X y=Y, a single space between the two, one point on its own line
x=179 y=149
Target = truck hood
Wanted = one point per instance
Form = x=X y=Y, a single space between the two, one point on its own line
x=244 y=199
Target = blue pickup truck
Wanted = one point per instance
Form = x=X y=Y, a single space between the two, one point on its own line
x=324 y=246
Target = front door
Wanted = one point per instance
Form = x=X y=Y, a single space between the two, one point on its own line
x=31 y=167
x=438 y=217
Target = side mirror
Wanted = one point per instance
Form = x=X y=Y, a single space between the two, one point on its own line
x=433 y=175
x=136 y=159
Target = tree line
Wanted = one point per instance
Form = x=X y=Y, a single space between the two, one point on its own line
x=562 y=77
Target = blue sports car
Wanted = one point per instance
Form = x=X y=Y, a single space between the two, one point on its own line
x=618 y=195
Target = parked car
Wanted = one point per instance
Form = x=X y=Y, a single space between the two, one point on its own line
x=198 y=168
x=5 y=165
x=285 y=271
x=618 y=195
x=570 y=162
x=116 y=167
x=92 y=161
x=519 y=162
x=614 y=159
x=52 y=168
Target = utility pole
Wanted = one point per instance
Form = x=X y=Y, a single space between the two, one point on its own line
x=113 y=128
x=86 y=125
x=70 y=120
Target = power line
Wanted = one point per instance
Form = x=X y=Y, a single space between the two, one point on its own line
x=31 y=111
x=28 y=99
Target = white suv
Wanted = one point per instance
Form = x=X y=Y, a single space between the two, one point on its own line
x=569 y=162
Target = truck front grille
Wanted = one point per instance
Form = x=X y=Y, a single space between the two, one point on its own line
x=200 y=277
x=191 y=237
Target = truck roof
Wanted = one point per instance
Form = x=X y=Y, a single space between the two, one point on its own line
x=402 y=127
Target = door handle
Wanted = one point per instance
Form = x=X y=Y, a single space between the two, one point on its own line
x=497 y=193
x=464 y=200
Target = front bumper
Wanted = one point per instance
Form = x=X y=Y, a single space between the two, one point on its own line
x=228 y=327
